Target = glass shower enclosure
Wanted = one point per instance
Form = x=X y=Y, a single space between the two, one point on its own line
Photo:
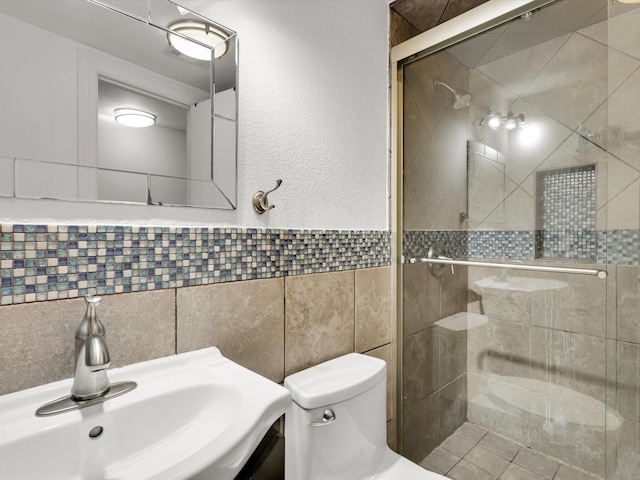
x=518 y=237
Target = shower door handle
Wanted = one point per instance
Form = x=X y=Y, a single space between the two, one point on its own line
x=328 y=417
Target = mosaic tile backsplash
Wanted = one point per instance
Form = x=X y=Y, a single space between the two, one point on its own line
x=51 y=262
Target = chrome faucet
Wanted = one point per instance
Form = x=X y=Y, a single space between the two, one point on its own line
x=91 y=356
x=90 y=382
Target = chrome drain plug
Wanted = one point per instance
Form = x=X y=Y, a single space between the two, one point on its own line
x=95 y=432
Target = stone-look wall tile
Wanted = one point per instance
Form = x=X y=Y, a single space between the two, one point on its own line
x=575 y=444
x=497 y=414
x=420 y=369
x=319 y=319
x=400 y=29
x=415 y=306
x=489 y=294
x=37 y=339
x=386 y=353
x=500 y=348
x=420 y=428
x=245 y=320
x=37 y=343
x=453 y=291
x=625 y=442
x=612 y=307
x=580 y=302
x=452 y=354
x=373 y=308
x=140 y=326
x=570 y=360
x=628 y=303
x=628 y=380
x=452 y=403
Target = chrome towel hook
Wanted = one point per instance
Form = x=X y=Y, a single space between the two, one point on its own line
x=260 y=200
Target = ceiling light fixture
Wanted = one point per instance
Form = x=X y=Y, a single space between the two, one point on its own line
x=628 y=1
x=204 y=34
x=134 y=118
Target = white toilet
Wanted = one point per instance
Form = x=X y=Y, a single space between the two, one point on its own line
x=336 y=426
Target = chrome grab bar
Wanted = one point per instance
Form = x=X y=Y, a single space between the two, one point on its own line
x=536 y=268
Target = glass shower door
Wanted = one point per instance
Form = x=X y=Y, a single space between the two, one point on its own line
x=521 y=148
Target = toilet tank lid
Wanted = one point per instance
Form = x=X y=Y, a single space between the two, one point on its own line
x=335 y=380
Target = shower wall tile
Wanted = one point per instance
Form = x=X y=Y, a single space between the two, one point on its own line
x=452 y=354
x=420 y=305
x=452 y=407
x=373 y=315
x=515 y=71
x=572 y=361
x=573 y=84
x=420 y=366
x=501 y=348
x=496 y=405
x=319 y=319
x=245 y=320
x=628 y=305
x=420 y=428
x=627 y=375
x=453 y=291
x=574 y=443
x=579 y=303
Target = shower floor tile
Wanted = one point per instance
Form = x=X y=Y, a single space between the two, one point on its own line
x=473 y=453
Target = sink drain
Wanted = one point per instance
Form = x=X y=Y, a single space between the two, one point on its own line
x=95 y=432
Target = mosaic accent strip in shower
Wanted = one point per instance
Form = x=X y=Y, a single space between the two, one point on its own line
x=416 y=243
x=50 y=262
x=614 y=247
x=504 y=245
x=619 y=247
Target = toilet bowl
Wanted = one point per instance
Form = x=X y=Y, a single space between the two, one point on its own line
x=336 y=426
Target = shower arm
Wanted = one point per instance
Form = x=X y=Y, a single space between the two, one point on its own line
x=440 y=83
x=536 y=268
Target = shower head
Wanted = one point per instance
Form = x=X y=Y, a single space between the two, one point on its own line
x=461 y=99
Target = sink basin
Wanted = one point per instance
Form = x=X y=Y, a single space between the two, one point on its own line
x=195 y=415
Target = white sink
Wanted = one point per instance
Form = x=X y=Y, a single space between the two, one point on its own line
x=196 y=415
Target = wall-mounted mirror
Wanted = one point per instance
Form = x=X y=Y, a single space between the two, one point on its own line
x=70 y=67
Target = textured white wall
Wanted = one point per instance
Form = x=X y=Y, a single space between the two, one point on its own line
x=313 y=111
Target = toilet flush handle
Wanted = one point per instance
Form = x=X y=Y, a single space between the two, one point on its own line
x=328 y=417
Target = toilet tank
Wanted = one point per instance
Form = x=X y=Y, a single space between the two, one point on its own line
x=353 y=387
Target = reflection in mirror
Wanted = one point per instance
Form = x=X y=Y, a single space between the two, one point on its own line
x=79 y=61
x=485 y=184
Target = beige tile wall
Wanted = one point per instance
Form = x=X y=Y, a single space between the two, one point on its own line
x=558 y=369
x=274 y=327
x=434 y=370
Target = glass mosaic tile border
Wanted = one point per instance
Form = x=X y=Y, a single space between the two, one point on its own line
x=51 y=262
x=416 y=243
x=613 y=247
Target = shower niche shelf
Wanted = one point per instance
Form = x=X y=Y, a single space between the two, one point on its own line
x=566 y=213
